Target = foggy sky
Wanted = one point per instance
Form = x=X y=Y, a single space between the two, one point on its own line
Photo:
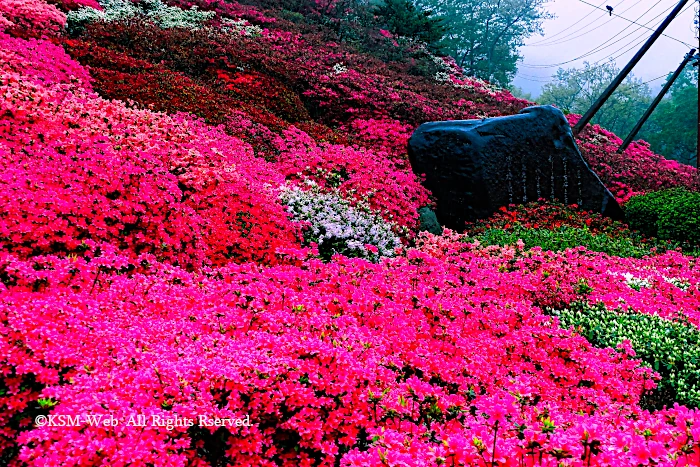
x=664 y=57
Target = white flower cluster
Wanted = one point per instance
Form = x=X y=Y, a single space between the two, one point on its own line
x=339 y=68
x=680 y=283
x=635 y=282
x=338 y=227
x=240 y=27
x=450 y=69
x=154 y=10
x=442 y=77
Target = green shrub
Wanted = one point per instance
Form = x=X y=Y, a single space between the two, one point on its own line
x=671 y=348
x=669 y=215
x=680 y=219
x=562 y=238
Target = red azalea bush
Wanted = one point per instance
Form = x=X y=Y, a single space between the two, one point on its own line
x=637 y=170
x=118 y=76
x=335 y=82
x=261 y=90
x=549 y=215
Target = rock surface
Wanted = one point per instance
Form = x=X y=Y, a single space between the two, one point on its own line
x=473 y=167
x=429 y=221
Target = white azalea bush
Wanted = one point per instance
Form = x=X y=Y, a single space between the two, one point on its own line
x=635 y=282
x=240 y=27
x=337 y=227
x=154 y=10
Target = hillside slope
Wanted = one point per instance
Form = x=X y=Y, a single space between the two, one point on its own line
x=175 y=187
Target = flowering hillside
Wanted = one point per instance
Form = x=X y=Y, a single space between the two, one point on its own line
x=209 y=256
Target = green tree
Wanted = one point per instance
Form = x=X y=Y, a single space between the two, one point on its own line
x=672 y=130
x=402 y=18
x=517 y=91
x=484 y=35
x=576 y=89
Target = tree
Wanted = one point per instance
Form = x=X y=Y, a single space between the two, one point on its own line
x=518 y=92
x=402 y=18
x=484 y=35
x=575 y=90
x=673 y=127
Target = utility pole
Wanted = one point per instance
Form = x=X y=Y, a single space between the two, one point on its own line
x=628 y=68
x=652 y=107
x=697 y=64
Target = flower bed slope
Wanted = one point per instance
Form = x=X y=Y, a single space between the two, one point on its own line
x=149 y=265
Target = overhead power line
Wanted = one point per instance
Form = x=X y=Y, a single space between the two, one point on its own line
x=567 y=38
x=586 y=118
x=634 y=22
x=547 y=39
x=605 y=44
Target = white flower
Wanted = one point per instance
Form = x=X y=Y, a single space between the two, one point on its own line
x=337 y=226
x=339 y=68
x=240 y=27
x=161 y=14
x=635 y=282
x=680 y=283
x=442 y=77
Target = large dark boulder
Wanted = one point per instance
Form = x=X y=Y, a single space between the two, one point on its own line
x=473 y=167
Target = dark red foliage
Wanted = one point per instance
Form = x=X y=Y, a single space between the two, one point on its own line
x=264 y=91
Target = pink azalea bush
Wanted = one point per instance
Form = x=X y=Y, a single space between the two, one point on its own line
x=149 y=266
x=41 y=62
x=31 y=18
x=387 y=186
x=389 y=136
x=102 y=172
x=409 y=361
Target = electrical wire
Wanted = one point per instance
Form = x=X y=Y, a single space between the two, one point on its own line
x=535 y=79
x=547 y=39
x=634 y=46
x=630 y=21
x=639 y=85
x=568 y=38
x=606 y=45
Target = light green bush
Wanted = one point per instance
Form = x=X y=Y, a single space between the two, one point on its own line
x=563 y=238
x=671 y=348
x=669 y=215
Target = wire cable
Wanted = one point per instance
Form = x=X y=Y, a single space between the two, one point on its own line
x=565 y=30
x=630 y=21
x=568 y=38
x=604 y=45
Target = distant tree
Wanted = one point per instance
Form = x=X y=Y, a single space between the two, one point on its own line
x=575 y=90
x=402 y=18
x=672 y=129
x=484 y=35
x=517 y=91
x=348 y=18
